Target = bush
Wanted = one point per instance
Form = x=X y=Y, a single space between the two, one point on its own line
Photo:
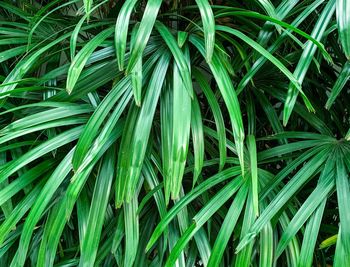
x=174 y=133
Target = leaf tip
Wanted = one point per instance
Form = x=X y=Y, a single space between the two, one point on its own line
x=328 y=105
x=138 y=102
x=118 y=204
x=286 y=116
x=208 y=58
x=69 y=90
x=120 y=68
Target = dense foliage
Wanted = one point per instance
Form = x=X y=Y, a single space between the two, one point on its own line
x=174 y=133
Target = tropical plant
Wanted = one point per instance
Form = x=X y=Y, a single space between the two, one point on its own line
x=174 y=133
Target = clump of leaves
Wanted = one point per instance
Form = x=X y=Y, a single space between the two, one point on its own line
x=174 y=133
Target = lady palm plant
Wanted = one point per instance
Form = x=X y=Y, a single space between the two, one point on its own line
x=174 y=133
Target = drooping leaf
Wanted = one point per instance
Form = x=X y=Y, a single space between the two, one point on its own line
x=144 y=32
x=343 y=20
x=306 y=58
x=82 y=57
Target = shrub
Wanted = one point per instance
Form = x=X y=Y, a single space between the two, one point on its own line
x=174 y=133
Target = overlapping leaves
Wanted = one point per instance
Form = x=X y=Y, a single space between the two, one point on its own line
x=215 y=162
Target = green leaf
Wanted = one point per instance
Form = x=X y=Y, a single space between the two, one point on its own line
x=24 y=66
x=218 y=117
x=18 y=212
x=152 y=180
x=91 y=129
x=343 y=195
x=208 y=27
x=121 y=31
x=131 y=231
x=343 y=20
x=40 y=150
x=280 y=40
x=293 y=251
x=251 y=114
x=270 y=57
x=21 y=182
x=180 y=132
x=268 y=7
x=347 y=136
x=310 y=236
x=262 y=38
x=119 y=232
x=339 y=84
x=6 y=206
x=166 y=119
x=15 y=10
x=87 y=7
x=42 y=18
x=75 y=34
x=181 y=38
x=13 y=52
x=148 y=19
x=198 y=139
x=284 y=195
x=324 y=187
x=244 y=256
x=82 y=57
x=253 y=172
x=201 y=217
x=181 y=62
x=278 y=151
x=329 y=241
x=341 y=256
x=166 y=77
x=229 y=95
x=44 y=117
x=266 y=246
x=228 y=226
x=270 y=112
x=306 y=58
x=273 y=183
x=39 y=206
x=91 y=239
x=55 y=226
x=83 y=204
x=124 y=156
x=109 y=133
x=202 y=187
x=47 y=125
x=129 y=165
x=136 y=73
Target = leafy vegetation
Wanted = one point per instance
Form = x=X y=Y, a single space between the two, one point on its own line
x=174 y=133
